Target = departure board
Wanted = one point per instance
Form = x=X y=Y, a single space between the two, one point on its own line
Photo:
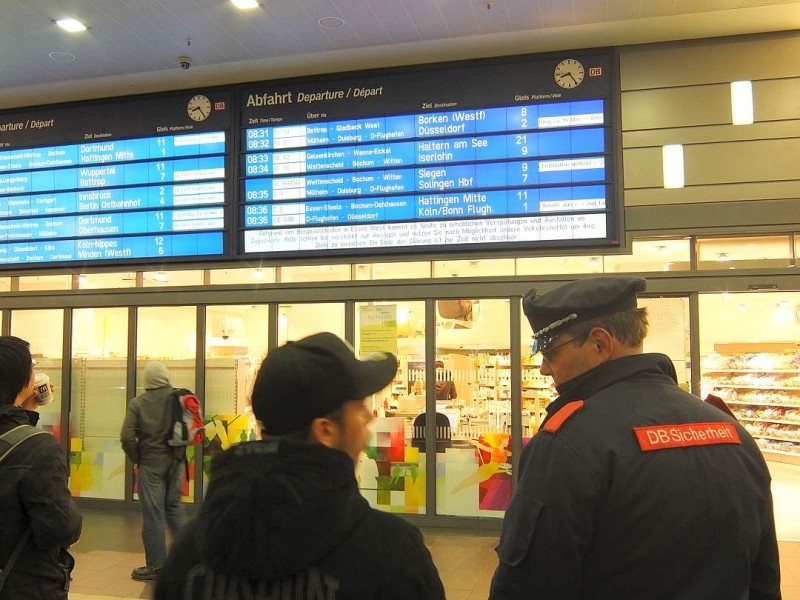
x=512 y=153
x=142 y=179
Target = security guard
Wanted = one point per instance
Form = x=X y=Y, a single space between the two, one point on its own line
x=632 y=488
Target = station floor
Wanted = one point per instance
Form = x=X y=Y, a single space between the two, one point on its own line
x=110 y=547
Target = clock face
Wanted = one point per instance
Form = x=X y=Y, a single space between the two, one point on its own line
x=199 y=108
x=569 y=73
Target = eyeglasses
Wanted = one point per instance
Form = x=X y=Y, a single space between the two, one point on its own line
x=541 y=344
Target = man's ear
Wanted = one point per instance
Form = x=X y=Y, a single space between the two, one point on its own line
x=602 y=341
x=324 y=431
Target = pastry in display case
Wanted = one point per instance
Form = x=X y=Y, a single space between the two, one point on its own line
x=763 y=391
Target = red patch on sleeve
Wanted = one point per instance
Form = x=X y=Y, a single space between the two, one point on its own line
x=555 y=422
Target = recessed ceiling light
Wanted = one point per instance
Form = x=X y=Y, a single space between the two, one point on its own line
x=71 y=25
x=331 y=22
x=245 y=4
x=62 y=56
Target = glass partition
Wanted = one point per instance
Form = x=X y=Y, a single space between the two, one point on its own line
x=98 y=401
x=236 y=343
x=44 y=330
x=472 y=383
x=168 y=334
x=391 y=473
x=669 y=333
x=296 y=321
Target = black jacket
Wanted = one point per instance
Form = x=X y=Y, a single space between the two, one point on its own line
x=34 y=492
x=596 y=516
x=286 y=519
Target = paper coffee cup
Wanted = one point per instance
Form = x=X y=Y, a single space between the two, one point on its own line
x=44 y=395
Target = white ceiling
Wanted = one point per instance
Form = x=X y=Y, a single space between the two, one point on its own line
x=132 y=45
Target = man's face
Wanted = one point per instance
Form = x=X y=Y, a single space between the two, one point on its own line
x=27 y=396
x=569 y=356
x=353 y=431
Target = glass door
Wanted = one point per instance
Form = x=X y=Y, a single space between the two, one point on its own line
x=98 y=400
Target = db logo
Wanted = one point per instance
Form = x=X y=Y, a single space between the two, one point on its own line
x=595 y=71
x=219 y=106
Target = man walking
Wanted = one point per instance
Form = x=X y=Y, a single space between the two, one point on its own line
x=283 y=517
x=159 y=466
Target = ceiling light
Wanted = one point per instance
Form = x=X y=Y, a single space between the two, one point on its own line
x=330 y=22
x=742 y=102
x=594 y=262
x=245 y=4
x=62 y=56
x=258 y=274
x=71 y=25
x=160 y=276
x=723 y=257
x=661 y=250
x=82 y=279
x=672 y=158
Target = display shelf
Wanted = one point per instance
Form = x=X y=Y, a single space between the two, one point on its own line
x=758 y=420
x=761 y=388
x=765 y=403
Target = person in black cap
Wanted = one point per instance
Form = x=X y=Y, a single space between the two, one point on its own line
x=283 y=516
x=632 y=488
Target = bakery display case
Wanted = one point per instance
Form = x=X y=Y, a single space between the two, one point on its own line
x=761 y=385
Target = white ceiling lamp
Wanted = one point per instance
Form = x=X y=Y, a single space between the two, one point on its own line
x=672 y=159
x=245 y=4
x=258 y=274
x=71 y=25
x=742 y=102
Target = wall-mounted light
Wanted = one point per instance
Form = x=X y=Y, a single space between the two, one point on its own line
x=662 y=250
x=594 y=262
x=160 y=276
x=723 y=257
x=742 y=102
x=672 y=159
x=258 y=274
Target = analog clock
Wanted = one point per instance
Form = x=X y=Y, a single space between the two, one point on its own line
x=199 y=108
x=569 y=73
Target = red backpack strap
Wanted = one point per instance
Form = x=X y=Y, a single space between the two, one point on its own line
x=555 y=422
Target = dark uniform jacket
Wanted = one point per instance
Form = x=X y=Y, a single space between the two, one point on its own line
x=285 y=519
x=596 y=516
x=34 y=493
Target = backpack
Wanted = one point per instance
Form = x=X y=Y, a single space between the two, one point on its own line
x=187 y=423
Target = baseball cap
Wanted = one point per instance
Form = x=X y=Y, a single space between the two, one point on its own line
x=578 y=301
x=312 y=377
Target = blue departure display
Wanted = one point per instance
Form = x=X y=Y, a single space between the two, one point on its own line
x=517 y=171
x=159 y=196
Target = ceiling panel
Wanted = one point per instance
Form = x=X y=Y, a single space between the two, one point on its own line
x=133 y=45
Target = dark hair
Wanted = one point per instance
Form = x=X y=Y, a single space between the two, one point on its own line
x=629 y=326
x=16 y=367
x=304 y=434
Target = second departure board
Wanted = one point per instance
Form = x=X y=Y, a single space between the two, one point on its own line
x=123 y=180
x=513 y=153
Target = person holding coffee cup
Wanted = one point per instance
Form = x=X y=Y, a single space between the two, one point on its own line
x=34 y=497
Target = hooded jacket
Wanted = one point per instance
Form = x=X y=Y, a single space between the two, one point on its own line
x=599 y=515
x=34 y=493
x=148 y=420
x=285 y=519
